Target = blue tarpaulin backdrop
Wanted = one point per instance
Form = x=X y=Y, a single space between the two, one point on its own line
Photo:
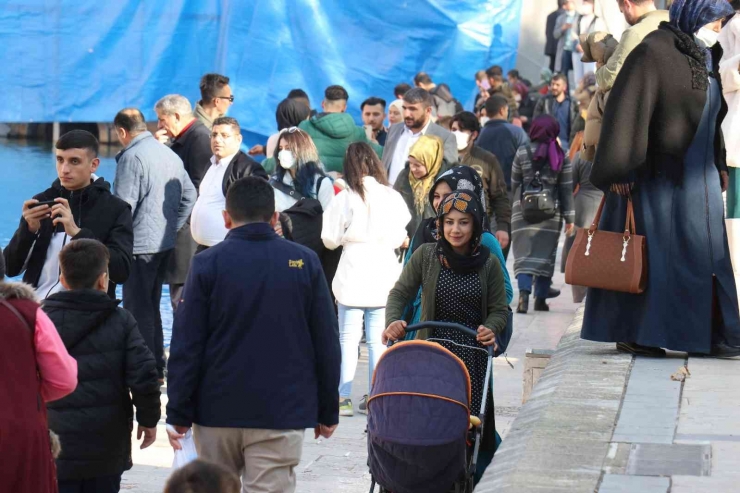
x=83 y=60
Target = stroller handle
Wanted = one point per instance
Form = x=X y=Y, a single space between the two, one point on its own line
x=447 y=325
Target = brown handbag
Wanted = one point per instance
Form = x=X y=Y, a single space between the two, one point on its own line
x=605 y=260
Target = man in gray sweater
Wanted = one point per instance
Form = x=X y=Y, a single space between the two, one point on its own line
x=153 y=180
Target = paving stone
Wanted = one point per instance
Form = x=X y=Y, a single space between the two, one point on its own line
x=651 y=459
x=614 y=483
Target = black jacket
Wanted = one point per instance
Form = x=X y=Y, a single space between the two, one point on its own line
x=241 y=167
x=94 y=423
x=194 y=148
x=551 y=45
x=545 y=107
x=100 y=215
x=656 y=105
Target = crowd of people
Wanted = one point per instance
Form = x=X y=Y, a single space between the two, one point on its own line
x=362 y=230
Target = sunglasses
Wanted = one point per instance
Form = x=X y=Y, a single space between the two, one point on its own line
x=290 y=130
x=230 y=98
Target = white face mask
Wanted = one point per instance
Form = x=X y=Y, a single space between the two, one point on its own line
x=462 y=139
x=286 y=158
x=706 y=38
x=484 y=120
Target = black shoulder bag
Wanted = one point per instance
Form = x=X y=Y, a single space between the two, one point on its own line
x=537 y=200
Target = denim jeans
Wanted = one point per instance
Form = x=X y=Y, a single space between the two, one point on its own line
x=350 y=333
x=141 y=296
x=541 y=284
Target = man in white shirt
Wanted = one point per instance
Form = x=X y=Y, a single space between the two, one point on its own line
x=417 y=121
x=228 y=164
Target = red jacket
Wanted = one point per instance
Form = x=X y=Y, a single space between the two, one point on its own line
x=27 y=465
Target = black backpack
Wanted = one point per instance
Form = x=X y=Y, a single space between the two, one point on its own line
x=304 y=218
x=537 y=200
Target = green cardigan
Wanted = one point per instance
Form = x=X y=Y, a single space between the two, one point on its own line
x=423 y=270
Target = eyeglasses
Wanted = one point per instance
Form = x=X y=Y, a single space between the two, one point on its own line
x=230 y=98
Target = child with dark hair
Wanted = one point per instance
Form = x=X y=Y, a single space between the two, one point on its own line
x=203 y=477
x=115 y=370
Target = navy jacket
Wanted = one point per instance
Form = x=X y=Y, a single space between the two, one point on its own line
x=255 y=343
x=502 y=139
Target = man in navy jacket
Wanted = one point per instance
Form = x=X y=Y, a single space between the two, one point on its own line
x=255 y=355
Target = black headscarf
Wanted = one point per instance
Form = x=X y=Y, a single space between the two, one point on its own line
x=290 y=113
x=462 y=264
x=459 y=178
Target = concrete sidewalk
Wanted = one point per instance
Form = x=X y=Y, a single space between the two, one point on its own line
x=600 y=421
x=339 y=464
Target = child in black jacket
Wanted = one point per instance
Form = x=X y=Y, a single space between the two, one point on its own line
x=115 y=369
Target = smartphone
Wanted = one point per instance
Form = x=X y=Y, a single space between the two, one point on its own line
x=50 y=203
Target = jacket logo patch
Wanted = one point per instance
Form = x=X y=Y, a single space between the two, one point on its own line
x=295 y=264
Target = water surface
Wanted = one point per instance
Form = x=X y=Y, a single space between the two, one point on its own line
x=28 y=168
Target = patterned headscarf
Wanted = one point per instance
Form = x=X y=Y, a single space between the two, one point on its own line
x=429 y=151
x=463 y=179
x=544 y=131
x=462 y=264
x=691 y=15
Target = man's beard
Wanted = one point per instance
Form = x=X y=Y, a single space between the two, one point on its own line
x=417 y=124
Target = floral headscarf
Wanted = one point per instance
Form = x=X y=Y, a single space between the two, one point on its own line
x=428 y=150
x=462 y=264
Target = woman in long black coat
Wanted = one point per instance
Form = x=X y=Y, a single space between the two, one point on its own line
x=662 y=141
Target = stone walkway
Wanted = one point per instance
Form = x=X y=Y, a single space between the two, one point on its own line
x=339 y=464
x=600 y=421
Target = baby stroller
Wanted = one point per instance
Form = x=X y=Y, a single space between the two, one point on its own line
x=420 y=438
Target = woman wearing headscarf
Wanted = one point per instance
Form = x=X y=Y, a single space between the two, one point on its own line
x=456 y=179
x=426 y=163
x=395 y=112
x=461 y=282
x=535 y=244
x=290 y=113
x=662 y=143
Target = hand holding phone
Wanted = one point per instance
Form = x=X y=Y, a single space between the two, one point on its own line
x=34 y=211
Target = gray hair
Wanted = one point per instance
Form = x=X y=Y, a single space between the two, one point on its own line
x=174 y=103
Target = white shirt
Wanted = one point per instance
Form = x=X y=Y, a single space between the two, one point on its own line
x=49 y=280
x=369 y=231
x=284 y=201
x=207 y=221
x=401 y=153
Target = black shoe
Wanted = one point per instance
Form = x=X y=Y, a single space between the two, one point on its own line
x=540 y=305
x=523 y=302
x=723 y=350
x=639 y=350
x=553 y=293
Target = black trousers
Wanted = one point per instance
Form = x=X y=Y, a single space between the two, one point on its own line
x=105 y=484
x=142 y=294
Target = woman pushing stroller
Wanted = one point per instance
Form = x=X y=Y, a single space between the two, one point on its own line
x=462 y=283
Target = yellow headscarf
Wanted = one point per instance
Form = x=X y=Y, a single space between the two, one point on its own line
x=428 y=150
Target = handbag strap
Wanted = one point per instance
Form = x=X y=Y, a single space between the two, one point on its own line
x=287 y=189
x=629 y=225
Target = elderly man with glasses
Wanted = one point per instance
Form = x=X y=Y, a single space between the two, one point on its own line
x=228 y=164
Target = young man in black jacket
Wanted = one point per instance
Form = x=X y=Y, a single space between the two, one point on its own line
x=255 y=350
x=77 y=205
x=114 y=369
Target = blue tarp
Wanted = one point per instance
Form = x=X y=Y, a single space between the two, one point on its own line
x=83 y=60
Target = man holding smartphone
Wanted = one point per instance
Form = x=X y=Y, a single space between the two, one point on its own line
x=77 y=205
